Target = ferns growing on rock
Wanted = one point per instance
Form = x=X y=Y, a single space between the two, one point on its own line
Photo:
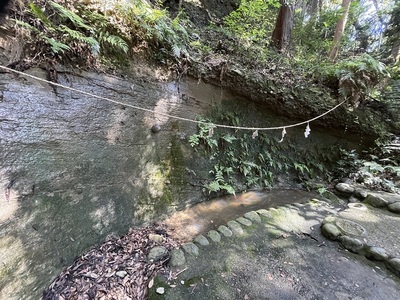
x=81 y=31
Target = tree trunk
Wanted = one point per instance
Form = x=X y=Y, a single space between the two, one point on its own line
x=282 y=33
x=392 y=34
x=340 y=27
x=315 y=7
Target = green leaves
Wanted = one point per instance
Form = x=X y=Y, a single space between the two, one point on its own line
x=73 y=17
x=64 y=30
x=253 y=21
x=156 y=27
x=358 y=77
x=241 y=161
x=56 y=46
x=38 y=13
x=114 y=41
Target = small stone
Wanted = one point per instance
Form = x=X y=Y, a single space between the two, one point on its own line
x=350 y=228
x=376 y=253
x=225 y=231
x=160 y=290
x=394 y=207
x=191 y=249
x=155 y=128
x=264 y=213
x=346 y=180
x=330 y=231
x=121 y=274
x=244 y=221
x=253 y=216
x=360 y=193
x=235 y=227
x=201 y=240
x=329 y=219
x=155 y=237
x=274 y=212
x=352 y=244
x=214 y=236
x=394 y=265
x=376 y=201
x=344 y=188
x=157 y=253
x=177 y=258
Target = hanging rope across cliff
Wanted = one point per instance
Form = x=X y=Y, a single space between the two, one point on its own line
x=212 y=125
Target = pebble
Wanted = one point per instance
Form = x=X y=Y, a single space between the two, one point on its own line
x=157 y=253
x=225 y=231
x=344 y=188
x=376 y=201
x=214 y=236
x=202 y=240
x=177 y=258
x=155 y=128
x=160 y=290
x=394 y=207
x=235 y=227
x=155 y=237
x=360 y=193
x=191 y=248
x=264 y=213
x=244 y=221
x=330 y=231
x=329 y=219
x=394 y=265
x=253 y=216
x=352 y=244
x=376 y=253
x=121 y=274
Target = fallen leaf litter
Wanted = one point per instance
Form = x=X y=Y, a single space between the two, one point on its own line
x=116 y=269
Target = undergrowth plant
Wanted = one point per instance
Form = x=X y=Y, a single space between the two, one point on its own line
x=378 y=168
x=358 y=76
x=153 y=25
x=72 y=30
x=63 y=31
x=240 y=160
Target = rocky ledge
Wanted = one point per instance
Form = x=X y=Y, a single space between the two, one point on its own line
x=369 y=226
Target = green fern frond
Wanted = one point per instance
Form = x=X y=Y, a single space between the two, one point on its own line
x=38 y=13
x=176 y=50
x=79 y=36
x=27 y=26
x=115 y=41
x=56 y=46
x=73 y=17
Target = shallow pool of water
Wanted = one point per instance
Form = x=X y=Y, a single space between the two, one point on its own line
x=200 y=218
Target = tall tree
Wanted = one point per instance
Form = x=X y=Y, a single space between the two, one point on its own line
x=315 y=7
x=340 y=27
x=393 y=34
x=282 y=33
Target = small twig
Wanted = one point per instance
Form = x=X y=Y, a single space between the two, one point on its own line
x=181 y=272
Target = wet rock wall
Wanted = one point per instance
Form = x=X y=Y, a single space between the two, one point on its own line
x=75 y=169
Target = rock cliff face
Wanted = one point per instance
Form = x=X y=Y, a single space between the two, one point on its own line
x=75 y=169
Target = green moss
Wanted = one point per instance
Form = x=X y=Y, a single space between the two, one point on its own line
x=172 y=172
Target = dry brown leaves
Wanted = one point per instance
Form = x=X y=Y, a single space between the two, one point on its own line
x=116 y=269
